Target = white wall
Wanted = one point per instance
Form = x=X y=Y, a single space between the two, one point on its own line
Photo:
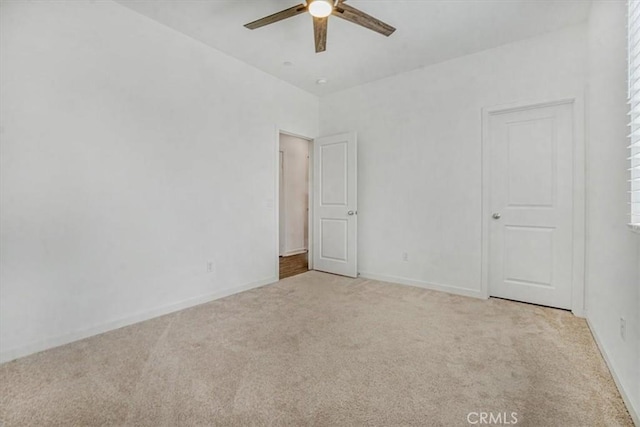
x=419 y=141
x=613 y=257
x=295 y=216
x=132 y=155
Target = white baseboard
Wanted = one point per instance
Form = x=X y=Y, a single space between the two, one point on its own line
x=295 y=252
x=422 y=284
x=36 y=347
x=625 y=397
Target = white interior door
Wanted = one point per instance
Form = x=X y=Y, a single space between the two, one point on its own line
x=335 y=204
x=531 y=199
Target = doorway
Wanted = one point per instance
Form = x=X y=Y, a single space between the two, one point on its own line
x=293 y=205
x=532 y=187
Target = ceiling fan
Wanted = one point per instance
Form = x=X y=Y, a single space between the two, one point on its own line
x=320 y=11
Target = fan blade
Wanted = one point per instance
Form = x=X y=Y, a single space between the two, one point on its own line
x=278 y=16
x=320 y=33
x=356 y=16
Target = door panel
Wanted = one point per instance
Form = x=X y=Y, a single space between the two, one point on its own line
x=531 y=239
x=528 y=255
x=531 y=163
x=334 y=174
x=334 y=234
x=335 y=205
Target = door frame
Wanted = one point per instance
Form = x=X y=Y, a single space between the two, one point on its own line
x=278 y=132
x=579 y=208
x=282 y=199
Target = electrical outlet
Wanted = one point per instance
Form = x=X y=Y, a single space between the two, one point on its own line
x=623 y=329
x=405 y=256
x=210 y=267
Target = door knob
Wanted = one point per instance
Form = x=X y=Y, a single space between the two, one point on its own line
x=350 y=213
x=496 y=215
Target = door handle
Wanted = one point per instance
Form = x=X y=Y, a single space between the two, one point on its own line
x=496 y=215
x=351 y=213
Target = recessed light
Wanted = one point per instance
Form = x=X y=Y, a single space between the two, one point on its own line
x=322 y=81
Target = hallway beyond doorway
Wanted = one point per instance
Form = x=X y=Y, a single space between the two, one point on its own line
x=293 y=265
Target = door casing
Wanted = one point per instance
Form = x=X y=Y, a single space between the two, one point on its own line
x=578 y=267
x=282 y=213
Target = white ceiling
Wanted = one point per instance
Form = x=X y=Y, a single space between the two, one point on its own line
x=428 y=31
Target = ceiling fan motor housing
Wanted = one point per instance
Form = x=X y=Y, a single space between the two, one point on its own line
x=335 y=2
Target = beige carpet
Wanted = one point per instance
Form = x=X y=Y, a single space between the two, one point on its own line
x=317 y=349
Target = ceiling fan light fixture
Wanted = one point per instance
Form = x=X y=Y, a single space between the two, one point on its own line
x=320 y=8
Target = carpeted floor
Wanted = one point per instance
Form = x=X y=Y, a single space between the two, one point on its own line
x=317 y=349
